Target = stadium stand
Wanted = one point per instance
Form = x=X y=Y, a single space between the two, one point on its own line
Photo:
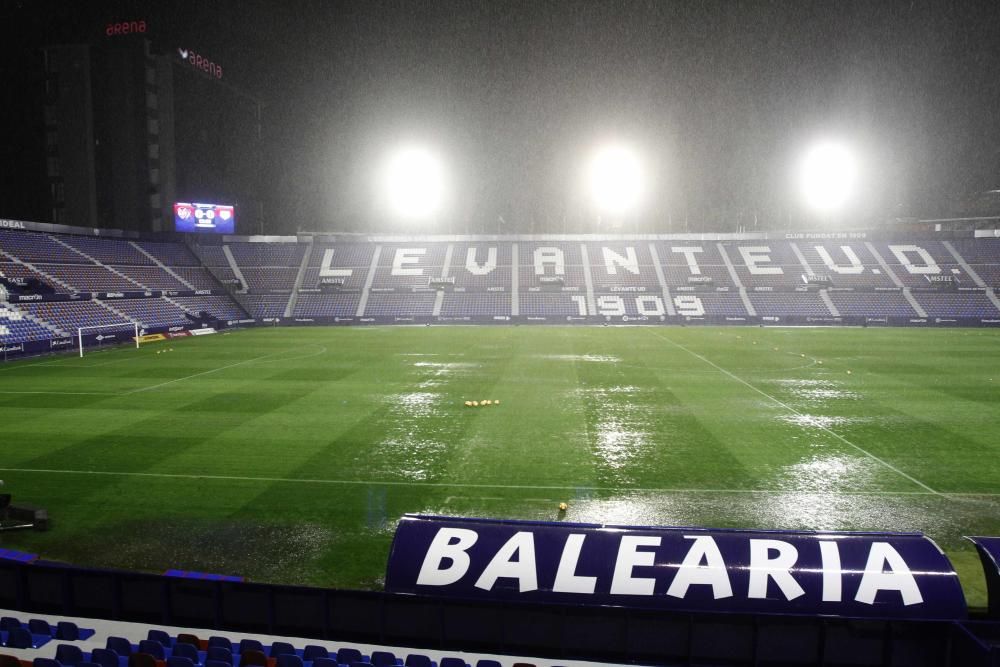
x=116 y=644
x=158 y=283
x=265 y=305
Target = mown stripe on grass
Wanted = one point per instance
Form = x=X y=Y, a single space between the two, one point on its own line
x=796 y=412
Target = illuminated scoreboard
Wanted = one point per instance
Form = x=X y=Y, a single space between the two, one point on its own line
x=205 y=218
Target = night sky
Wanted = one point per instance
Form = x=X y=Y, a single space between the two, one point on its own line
x=720 y=97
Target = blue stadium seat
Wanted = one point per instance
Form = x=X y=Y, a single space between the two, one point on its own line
x=68 y=631
x=8 y=623
x=152 y=647
x=160 y=636
x=349 y=656
x=325 y=662
x=289 y=660
x=68 y=654
x=119 y=645
x=216 y=663
x=312 y=651
x=488 y=663
x=250 y=645
x=19 y=638
x=453 y=662
x=105 y=657
x=39 y=626
x=45 y=662
x=385 y=659
x=179 y=661
x=221 y=642
x=419 y=660
x=186 y=651
x=219 y=654
x=280 y=648
x=88 y=664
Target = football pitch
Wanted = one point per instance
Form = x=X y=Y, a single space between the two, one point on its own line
x=287 y=454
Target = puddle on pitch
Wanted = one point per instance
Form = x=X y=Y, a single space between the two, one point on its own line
x=817 y=392
x=406 y=451
x=446 y=365
x=621 y=430
x=617 y=444
x=826 y=474
x=417 y=404
x=595 y=358
x=431 y=354
x=440 y=372
x=815 y=421
x=790 y=510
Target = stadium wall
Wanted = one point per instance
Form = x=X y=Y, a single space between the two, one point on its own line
x=613 y=634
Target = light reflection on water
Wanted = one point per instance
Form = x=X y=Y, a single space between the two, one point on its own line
x=816 y=392
x=820 y=474
x=621 y=432
x=617 y=444
x=816 y=421
x=409 y=451
x=596 y=358
x=939 y=517
x=417 y=404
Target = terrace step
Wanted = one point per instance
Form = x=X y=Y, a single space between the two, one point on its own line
x=39 y=271
x=160 y=264
x=98 y=263
x=109 y=307
x=236 y=269
x=303 y=266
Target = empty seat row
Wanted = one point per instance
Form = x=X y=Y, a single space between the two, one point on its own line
x=64 y=630
x=22 y=638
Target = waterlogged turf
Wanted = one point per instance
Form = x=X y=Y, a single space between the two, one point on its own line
x=287 y=455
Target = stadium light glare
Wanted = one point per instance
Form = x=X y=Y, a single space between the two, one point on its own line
x=414 y=183
x=614 y=177
x=828 y=176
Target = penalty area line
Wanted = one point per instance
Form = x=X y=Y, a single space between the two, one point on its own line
x=800 y=414
x=208 y=372
x=462 y=485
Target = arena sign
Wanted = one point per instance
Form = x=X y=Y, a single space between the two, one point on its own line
x=887 y=575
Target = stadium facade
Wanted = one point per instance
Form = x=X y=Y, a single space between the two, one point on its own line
x=133 y=125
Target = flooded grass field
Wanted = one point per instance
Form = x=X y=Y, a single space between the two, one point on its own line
x=287 y=455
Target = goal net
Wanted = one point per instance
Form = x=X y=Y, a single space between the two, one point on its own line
x=107 y=334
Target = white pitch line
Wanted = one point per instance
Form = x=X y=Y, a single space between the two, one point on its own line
x=460 y=485
x=800 y=414
x=208 y=372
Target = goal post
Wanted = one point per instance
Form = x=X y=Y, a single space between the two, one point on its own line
x=80 y=331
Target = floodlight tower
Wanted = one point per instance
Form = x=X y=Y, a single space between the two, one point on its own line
x=414 y=183
x=828 y=176
x=614 y=178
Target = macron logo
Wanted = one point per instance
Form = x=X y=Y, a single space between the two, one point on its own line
x=183 y=52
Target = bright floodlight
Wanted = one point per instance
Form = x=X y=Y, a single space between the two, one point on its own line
x=828 y=177
x=614 y=177
x=414 y=183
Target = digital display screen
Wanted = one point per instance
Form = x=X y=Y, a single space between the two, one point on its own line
x=205 y=218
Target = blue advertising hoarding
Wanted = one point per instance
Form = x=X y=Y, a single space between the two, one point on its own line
x=886 y=575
